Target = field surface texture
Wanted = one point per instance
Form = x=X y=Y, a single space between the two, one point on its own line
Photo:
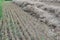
x=19 y=25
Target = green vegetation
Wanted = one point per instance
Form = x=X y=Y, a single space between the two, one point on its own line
x=8 y=0
x=42 y=37
x=1 y=1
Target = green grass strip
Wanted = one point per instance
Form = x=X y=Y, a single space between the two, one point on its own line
x=8 y=0
x=1 y=1
x=42 y=38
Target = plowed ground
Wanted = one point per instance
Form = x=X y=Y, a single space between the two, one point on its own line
x=19 y=25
